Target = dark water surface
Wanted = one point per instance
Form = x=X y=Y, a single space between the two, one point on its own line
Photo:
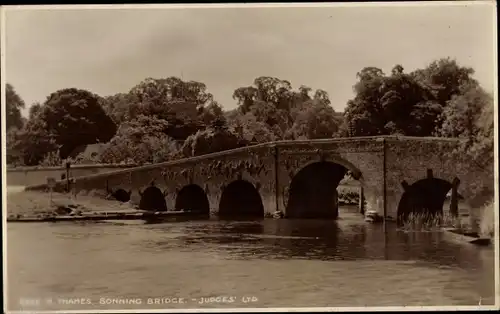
x=269 y=263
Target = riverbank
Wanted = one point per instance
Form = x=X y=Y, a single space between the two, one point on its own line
x=38 y=204
x=25 y=207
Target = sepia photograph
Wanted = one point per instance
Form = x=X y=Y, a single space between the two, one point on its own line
x=250 y=157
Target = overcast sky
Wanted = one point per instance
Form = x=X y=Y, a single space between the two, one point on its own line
x=110 y=51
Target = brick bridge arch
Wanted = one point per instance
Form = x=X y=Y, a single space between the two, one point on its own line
x=380 y=164
x=426 y=197
x=312 y=190
x=241 y=199
x=192 y=198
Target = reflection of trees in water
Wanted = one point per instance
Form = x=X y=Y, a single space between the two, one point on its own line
x=313 y=239
x=317 y=239
x=432 y=247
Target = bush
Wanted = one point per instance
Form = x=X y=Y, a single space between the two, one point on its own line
x=211 y=140
x=52 y=159
x=152 y=148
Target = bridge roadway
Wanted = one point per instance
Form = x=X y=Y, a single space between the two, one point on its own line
x=297 y=178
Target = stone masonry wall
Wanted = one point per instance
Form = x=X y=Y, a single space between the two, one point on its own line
x=405 y=159
x=409 y=159
x=361 y=156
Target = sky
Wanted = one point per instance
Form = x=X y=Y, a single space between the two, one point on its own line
x=110 y=51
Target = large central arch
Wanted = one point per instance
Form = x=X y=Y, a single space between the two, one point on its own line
x=192 y=198
x=313 y=191
x=240 y=199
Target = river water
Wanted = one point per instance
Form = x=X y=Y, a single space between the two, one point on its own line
x=268 y=263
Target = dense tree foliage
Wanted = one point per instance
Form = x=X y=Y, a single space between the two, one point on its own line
x=68 y=119
x=168 y=118
x=393 y=104
x=216 y=137
x=75 y=117
x=470 y=116
x=142 y=140
x=405 y=103
x=271 y=109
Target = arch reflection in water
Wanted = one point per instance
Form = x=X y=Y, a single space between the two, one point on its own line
x=192 y=198
x=240 y=199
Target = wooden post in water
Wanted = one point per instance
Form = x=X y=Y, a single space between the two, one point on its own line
x=336 y=203
x=68 y=165
x=51 y=182
x=454 y=198
x=361 y=200
x=384 y=165
x=73 y=187
x=276 y=178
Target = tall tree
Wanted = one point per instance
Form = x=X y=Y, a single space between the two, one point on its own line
x=121 y=107
x=180 y=103
x=272 y=102
x=210 y=140
x=461 y=115
x=315 y=121
x=13 y=105
x=32 y=143
x=34 y=110
x=394 y=104
x=74 y=117
x=142 y=140
x=444 y=77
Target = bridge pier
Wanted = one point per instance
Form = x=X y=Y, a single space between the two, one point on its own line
x=269 y=202
x=392 y=202
x=214 y=200
x=361 y=204
x=454 y=197
x=373 y=199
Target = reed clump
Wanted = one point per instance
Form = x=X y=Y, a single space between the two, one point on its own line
x=431 y=222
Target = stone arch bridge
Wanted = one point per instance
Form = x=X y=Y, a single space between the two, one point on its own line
x=298 y=178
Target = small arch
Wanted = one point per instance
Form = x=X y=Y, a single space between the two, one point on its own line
x=121 y=195
x=192 y=198
x=241 y=199
x=425 y=197
x=152 y=199
x=313 y=190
